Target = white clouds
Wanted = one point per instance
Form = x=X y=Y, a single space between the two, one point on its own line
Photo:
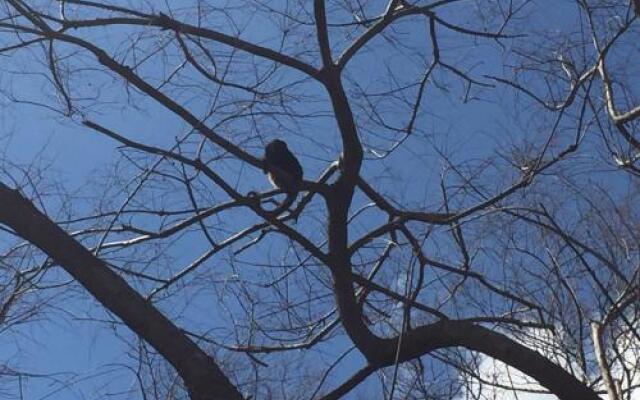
x=497 y=376
x=500 y=382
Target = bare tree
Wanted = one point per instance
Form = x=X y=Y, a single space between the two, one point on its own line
x=470 y=188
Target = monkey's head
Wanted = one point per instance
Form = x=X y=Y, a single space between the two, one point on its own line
x=275 y=148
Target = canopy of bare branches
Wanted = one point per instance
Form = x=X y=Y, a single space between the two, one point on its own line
x=468 y=224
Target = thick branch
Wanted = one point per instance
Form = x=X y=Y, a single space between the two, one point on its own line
x=323 y=34
x=445 y=334
x=597 y=336
x=165 y=22
x=203 y=378
x=475 y=337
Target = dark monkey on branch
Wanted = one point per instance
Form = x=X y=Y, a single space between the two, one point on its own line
x=284 y=172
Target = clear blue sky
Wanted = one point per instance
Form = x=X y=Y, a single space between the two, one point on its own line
x=465 y=130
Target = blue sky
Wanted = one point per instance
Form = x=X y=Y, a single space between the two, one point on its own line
x=73 y=153
x=467 y=131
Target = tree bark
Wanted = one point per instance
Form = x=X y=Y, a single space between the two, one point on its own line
x=202 y=376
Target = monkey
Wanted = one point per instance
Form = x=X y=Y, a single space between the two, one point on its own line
x=284 y=172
